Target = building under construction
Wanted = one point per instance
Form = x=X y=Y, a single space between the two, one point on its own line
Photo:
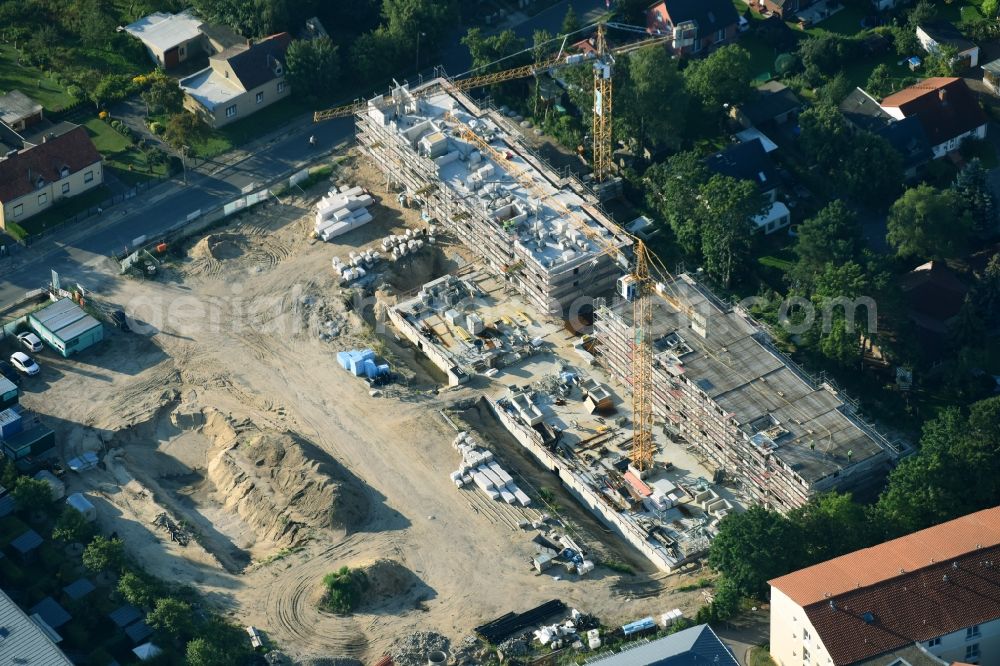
x=468 y=166
x=721 y=387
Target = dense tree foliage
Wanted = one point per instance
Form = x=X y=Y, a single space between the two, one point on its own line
x=831 y=236
x=103 y=554
x=723 y=77
x=33 y=494
x=313 y=67
x=650 y=99
x=975 y=197
x=927 y=223
x=72 y=526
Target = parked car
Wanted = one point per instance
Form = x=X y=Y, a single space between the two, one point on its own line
x=8 y=371
x=30 y=341
x=24 y=363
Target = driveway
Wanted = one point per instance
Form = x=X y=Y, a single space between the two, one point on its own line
x=745 y=631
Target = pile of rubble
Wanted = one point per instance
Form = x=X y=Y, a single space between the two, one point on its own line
x=412 y=650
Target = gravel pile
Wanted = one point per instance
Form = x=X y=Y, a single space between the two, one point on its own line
x=412 y=650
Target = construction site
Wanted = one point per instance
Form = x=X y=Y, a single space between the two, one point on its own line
x=392 y=370
x=467 y=167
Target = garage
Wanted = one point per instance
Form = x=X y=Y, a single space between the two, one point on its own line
x=65 y=327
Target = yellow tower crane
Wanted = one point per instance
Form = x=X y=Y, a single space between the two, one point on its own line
x=603 y=62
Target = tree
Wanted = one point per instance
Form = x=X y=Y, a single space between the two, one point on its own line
x=968 y=329
x=841 y=343
x=650 y=98
x=570 y=22
x=831 y=524
x=313 y=67
x=871 y=170
x=956 y=472
x=975 y=196
x=172 y=616
x=721 y=78
x=729 y=204
x=632 y=11
x=925 y=223
x=110 y=88
x=923 y=12
x=990 y=8
x=93 y=21
x=218 y=644
x=824 y=53
x=405 y=19
x=987 y=291
x=255 y=18
x=880 y=83
x=824 y=135
x=941 y=62
x=139 y=589
x=832 y=235
x=343 y=589
x=163 y=95
x=374 y=55
x=103 y=554
x=33 y=494
x=486 y=50
x=754 y=547
x=673 y=191
x=72 y=526
x=183 y=129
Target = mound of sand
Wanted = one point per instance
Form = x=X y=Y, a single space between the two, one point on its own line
x=281 y=485
x=219 y=246
x=388 y=580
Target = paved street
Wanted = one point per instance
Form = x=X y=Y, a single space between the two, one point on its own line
x=76 y=250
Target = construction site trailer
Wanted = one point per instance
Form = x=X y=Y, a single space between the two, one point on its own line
x=8 y=393
x=65 y=327
x=29 y=442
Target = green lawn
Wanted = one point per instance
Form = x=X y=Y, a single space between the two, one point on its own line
x=120 y=154
x=65 y=209
x=762 y=56
x=857 y=73
x=265 y=121
x=845 y=22
x=31 y=81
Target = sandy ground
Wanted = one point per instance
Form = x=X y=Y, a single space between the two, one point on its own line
x=231 y=355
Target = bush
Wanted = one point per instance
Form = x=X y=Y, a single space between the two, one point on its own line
x=343 y=589
x=156 y=128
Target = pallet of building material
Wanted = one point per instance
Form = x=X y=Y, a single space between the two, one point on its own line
x=507 y=496
x=484 y=483
x=507 y=625
x=521 y=497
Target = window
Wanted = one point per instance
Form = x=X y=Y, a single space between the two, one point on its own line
x=65 y=188
x=260 y=97
x=180 y=51
x=88 y=177
x=230 y=111
x=972 y=632
x=43 y=198
x=720 y=36
x=18 y=209
x=805 y=635
x=972 y=652
x=281 y=86
x=934 y=642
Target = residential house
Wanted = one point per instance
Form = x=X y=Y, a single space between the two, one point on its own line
x=945 y=106
x=934 y=295
x=239 y=81
x=18 y=111
x=694 y=646
x=935 y=592
x=170 y=39
x=934 y=35
x=773 y=102
x=750 y=161
x=35 y=178
x=696 y=25
x=747 y=161
x=783 y=8
x=907 y=136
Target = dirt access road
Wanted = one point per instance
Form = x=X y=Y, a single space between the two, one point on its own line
x=229 y=414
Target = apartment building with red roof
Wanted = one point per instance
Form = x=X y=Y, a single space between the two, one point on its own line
x=933 y=594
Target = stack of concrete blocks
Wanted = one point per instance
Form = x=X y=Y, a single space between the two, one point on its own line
x=357 y=265
x=479 y=467
x=341 y=211
x=398 y=246
x=362 y=363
